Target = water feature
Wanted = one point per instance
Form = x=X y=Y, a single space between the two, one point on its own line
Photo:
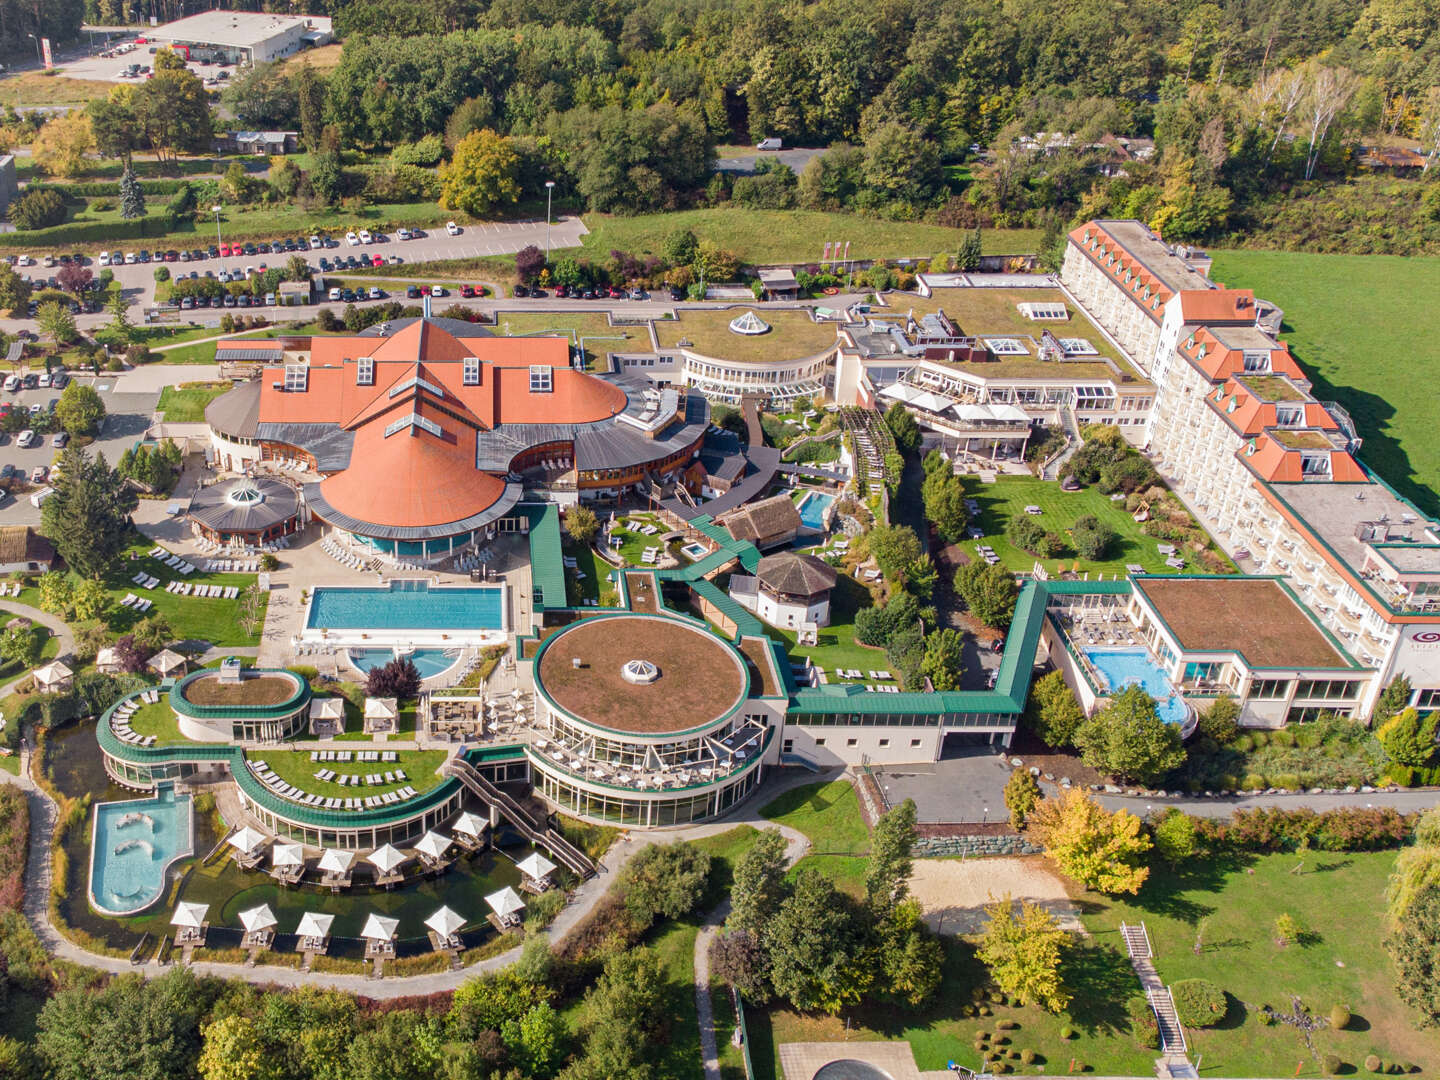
x=429 y=662
x=812 y=509
x=1125 y=667
x=407 y=605
x=134 y=844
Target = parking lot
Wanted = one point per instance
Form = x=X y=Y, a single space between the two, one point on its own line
x=109 y=68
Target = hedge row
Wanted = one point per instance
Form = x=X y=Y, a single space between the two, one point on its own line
x=1415 y=775
x=110 y=188
x=155 y=227
x=1271 y=829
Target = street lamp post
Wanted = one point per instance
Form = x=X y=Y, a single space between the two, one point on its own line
x=38 y=54
x=549 y=191
x=217 y=210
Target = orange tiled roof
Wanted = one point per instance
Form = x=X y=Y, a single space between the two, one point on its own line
x=1217 y=306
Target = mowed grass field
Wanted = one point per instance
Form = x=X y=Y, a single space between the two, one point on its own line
x=1362 y=328
x=766 y=236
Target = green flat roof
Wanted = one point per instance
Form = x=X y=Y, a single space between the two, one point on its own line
x=547 y=558
x=185 y=707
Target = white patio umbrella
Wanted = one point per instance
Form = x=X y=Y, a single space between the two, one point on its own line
x=433 y=844
x=189 y=915
x=335 y=861
x=247 y=840
x=517 y=695
x=535 y=866
x=379 y=928
x=385 y=858
x=257 y=919
x=445 y=922
x=505 y=902
x=314 y=925
x=287 y=855
x=470 y=824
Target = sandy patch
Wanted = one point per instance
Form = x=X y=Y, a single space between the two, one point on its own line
x=953 y=892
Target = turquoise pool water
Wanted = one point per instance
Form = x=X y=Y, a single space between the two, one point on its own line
x=1122 y=667
x=429 y=662
x=134 y=843
x=407 y=605
x=812 y=510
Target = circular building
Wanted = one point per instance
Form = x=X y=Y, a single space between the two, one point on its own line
x=645 y=721
x=235 y=704
x=245 y=511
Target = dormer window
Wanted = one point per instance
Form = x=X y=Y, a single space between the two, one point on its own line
x=1289 y=415
x=472 y=371
x=365 y=371
x=541 y=379
x=297 y=378
x=1250 y=448
x=1200 y=353
x=1257 y=361
x=1315 y=464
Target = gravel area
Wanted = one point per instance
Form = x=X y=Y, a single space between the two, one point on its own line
x=953 y=892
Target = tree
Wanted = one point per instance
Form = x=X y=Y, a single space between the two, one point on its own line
x=1330 y=91
x=529 y=261
x=901 y=166
x=894 y=547
x=233 y=1050
x=1053 y=712
x=37 y=209
x=113 y=124
x=665 y=879
x=738 y=958
x=1091 y=846
x=482 y=175
x=887 y=871
x=679 y=247
x=1091 y=537
x=944 y=497
x=327 y=176
x=14 y=290
x=80 y=409
x=1024 y=954
x=310 y=104
x=57 y=593
x=153 y=632
x=386 y=1050
x=61 y=145
x=129 y=1028
x=620 y=1015
x=817 y=948
x=21 y=645
x=172 y=111
x=1022 y=792
x=903 y=427
x=1128 y=740
x=989 y=591
x=1408 y=737
x=911 y=959
x=758 y=886
x=398 y=679
x=1392 y=699
x=58 y=324
x=1414 y=947
x=535 y=1039
x=968 y=258
x=581 y=524
x=944 y=650
x=1174 y=837
x=88 y=517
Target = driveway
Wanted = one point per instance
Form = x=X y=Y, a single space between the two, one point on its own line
x=969 y=785
x=744 y=164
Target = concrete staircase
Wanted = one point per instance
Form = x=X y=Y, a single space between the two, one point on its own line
x=1173 y=1061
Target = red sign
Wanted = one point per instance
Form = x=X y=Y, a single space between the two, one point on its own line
x=45 y=49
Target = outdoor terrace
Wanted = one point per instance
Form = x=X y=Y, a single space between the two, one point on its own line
x=1273 y=388
x=793 y=335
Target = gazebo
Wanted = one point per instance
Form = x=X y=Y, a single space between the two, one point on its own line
x=508 y=907
x=189 y=922
x=432 y=848
x=470 y=830
x=382 y=715
x=386 y=859
x=314 y=931
x=259 y=924
x=166 y=661
x=535 y=871
x=444 y=928
x=287 y=862
x=327 y=716
x=107 y=661
x=379 y=935
x=334 y=867
x=53 y=678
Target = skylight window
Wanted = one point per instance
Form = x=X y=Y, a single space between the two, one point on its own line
x=412 y=421
x=1004 y=346
x=365 y=371
x=541 y=379
x=297 y=378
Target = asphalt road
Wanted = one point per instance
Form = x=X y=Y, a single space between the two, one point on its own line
x=797 y=159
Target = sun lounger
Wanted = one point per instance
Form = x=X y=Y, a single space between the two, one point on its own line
x=130 y=599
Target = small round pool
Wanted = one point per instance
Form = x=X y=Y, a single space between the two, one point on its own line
x=850 y=1069
x=429 y=662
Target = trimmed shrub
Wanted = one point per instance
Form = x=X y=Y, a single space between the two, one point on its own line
x=1006 y=1025
x=1027 y=1056
x=1253 y=782
x=1260 y=738
x=1198 y=1002
x=1067 y=1033
x=1373 y=1063
x=1143 y=1024
x=1339 y=1017
x=1332 y=1064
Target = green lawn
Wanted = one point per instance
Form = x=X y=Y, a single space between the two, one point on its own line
x=765 y=236
x=158 y=719
x=190 y=617
x=829 y=814
x=595 y=569
x=185 y=404
x=792 y=335
x=295 y=767
x=49 y=647
x=11 y=764
x=1009 y=495
x=1353 y=324
x=38 y=88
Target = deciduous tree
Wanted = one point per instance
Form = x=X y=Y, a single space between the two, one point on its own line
x=581 y=524
x=817 y=946
x=62 y=144
x=482 y=175
x=887 y=873
x=942 y=661
x=1128 y=740
x=758 y=887
x=989 y=591
x=895 y=547
x=57 y=323
x=1091 y=846
x=80 y=409
x=1024 y=953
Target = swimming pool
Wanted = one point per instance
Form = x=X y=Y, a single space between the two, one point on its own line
x=1122 y=667
x=407 y=605
x=812 y=509
x=134 y=843
x=429 y=662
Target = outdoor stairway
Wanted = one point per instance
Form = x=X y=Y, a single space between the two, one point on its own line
x=574 y=860
x=1173 y=1060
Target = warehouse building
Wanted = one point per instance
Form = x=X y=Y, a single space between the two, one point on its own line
x=243 y=37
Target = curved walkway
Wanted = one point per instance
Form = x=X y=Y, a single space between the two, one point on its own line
x=56 y=626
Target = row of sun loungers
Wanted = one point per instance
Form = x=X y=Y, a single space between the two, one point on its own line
x=7 y=589
x=325 y=802
x=340 y=555
x=232 y=566
x=856 y=673
x=329 y=776
x=358 y=755
x=120 y=723
x=331 y=755
x=651 y=555
x=145 y=581
x=135 y=603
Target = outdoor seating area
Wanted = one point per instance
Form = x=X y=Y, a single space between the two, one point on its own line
x=173 y=561
x=211 y=592
x=136 y=603
x=120 y=718
x=232 y=566
x=286 y=790
x=986 y=552
x=456 y=718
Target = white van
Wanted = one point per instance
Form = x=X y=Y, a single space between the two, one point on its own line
x=768 y=144
x=38 y=498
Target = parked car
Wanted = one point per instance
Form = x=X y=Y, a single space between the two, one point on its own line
x=60 y=440
x=520 y=290
x=452 y=228
x=376 y=293
x=402 y=234
x=315 y=241
x=104 y=258
x=377 y=260
x=412 y=292
x=59 y=380
x=38 y=474
x=26 y=439
x=437 y=290
x=352 y=239
x=467 y=291
x=7 y=471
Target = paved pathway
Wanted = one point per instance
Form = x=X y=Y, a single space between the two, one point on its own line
x=1407 y=802
x=57 y=628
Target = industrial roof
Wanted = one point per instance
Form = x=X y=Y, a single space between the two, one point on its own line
x=236 y=29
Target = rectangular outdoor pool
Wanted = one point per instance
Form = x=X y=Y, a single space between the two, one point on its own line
x=812 y=510
x=1125 y=667
x=407 y=605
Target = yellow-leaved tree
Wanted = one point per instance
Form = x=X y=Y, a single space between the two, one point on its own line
x=482 y=175
x=1090 y=845
x=1023 y=953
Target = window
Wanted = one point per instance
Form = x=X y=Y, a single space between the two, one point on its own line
x=1289 y=415
x=540 y=379
x=852 y=742
x=1428 y=699
x=1315 y=464
x=365 y=371
x=1269 y=689
x=1312 y=689
x=914 y=743
x=1257 y=361
x=819 y=742
x=787 y=746
x=884 y=743
x=472 y=371
x=296 y=378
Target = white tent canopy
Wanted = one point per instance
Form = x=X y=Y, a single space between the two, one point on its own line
x=535 y=866
x=247 y=840
x=287 y=855
x=188 y=914
x=166 y=661
x=505 y=902
x=433 y=844
x=470 y=824
x=257 y=918
x=445 y=922
x=380 y=928
x=921 y=399
x=327 y=708
x=381 y=708
x=52 y=672
x=336 y=861
x=386 y=858
x=314 y=925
